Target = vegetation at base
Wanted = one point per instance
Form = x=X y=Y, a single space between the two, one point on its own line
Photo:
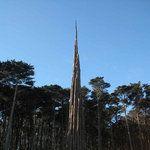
x=39 y=119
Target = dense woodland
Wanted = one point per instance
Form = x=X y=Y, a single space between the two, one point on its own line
x=36 y=118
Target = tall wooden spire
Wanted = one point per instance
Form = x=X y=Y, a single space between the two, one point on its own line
x=75 y=128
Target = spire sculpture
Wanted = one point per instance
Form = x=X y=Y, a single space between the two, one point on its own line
x=75 y=128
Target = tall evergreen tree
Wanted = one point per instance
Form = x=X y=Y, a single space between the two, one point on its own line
x=14 y=73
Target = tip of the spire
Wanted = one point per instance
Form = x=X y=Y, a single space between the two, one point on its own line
x=75 y=23
x=76 y=28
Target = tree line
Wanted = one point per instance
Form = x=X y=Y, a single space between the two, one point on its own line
x=36 y=118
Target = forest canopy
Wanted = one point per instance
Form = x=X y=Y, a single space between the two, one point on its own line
x=37 y=117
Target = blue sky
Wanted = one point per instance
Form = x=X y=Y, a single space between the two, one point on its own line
x=114 y=38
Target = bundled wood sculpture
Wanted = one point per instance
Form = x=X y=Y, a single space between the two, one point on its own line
x=76 y=125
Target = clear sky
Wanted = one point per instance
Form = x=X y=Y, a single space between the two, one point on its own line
x=114 y=38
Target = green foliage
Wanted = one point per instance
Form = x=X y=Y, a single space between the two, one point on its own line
x=16 y=72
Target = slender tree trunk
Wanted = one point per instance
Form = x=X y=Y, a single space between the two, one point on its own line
x=128 y=130
x=112 y=139
x=9 y=129
x=99 y=127
x=140 y=132
x=53 y=133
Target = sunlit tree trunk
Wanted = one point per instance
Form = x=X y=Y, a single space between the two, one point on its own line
x=128 y=129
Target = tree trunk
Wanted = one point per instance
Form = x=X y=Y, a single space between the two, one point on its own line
x=128 y=130
x=9 y=129
x=99 y=127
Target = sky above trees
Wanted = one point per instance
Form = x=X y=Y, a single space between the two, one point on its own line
x=114 y=38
